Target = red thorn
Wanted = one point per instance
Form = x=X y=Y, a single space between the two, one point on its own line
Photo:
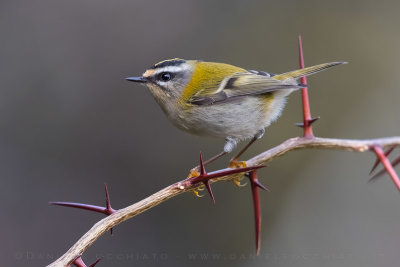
x=81 y=206
x=79 y=262
x=380 y=173
x=208 y=186
x=395 y=162
x=387 y=153
x=307 y=120
x=108 y=210
x=97 y=261
x=257 y=210
x=202 y=168
x=260 y=185
x=221 y=173
x=386 y=163
x=108 y=203
x=205 y=177
x=310 y=122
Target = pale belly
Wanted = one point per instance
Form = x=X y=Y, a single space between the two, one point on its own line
x=239 y=119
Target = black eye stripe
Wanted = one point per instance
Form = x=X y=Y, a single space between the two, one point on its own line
x=165 y=76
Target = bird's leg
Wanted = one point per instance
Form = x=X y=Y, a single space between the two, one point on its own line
x=234 y=163
x=229 y=146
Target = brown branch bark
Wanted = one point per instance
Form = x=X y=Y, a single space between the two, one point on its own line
x=183 y=186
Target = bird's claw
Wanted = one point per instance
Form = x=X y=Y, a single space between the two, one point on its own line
x=238 y=181
x=196 y=191
x=234 y=164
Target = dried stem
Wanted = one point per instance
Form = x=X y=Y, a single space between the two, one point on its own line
x=183 y=186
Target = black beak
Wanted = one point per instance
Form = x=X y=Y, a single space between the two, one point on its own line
x=136 y=79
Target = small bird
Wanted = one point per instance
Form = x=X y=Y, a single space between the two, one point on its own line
x=221 y=100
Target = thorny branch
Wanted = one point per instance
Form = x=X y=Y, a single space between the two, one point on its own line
x=185 y=185
x=73 y=255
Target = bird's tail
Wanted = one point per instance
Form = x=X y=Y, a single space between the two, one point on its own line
x=306 y=71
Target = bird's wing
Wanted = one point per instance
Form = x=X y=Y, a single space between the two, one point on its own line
x=250 y=83
x=243 y=84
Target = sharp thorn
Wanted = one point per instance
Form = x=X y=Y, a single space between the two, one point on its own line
x=108 y=203
x=396 y=162
x=314 y=120
x=79 y=262
x=97 y=261
x=377 y=160
x=202 y=168
x=222 y=173
x=379 y=174
x=257 y=209
x=108 y=210
x=260 y=185
x=207 y=184
x=383 y=171
x=387 y=165
x=301 y=124
x=80 y=206
x=374 y=166
x=307 y=129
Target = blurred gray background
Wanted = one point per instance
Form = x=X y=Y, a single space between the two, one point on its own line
x=70 y=122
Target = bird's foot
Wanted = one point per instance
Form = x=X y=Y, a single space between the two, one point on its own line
x=237 y=164
x=197 y=190
x=238 y=181
x=194 y=173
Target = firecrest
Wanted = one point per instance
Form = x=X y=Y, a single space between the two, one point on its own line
x=221 y=100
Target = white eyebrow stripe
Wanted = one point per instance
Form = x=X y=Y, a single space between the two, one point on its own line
x=175 y=69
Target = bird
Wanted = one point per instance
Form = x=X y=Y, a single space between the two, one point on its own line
x=221 y=100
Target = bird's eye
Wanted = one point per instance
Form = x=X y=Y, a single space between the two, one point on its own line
x=165 y=76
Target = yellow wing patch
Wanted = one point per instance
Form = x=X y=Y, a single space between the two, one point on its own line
x=207 y=78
